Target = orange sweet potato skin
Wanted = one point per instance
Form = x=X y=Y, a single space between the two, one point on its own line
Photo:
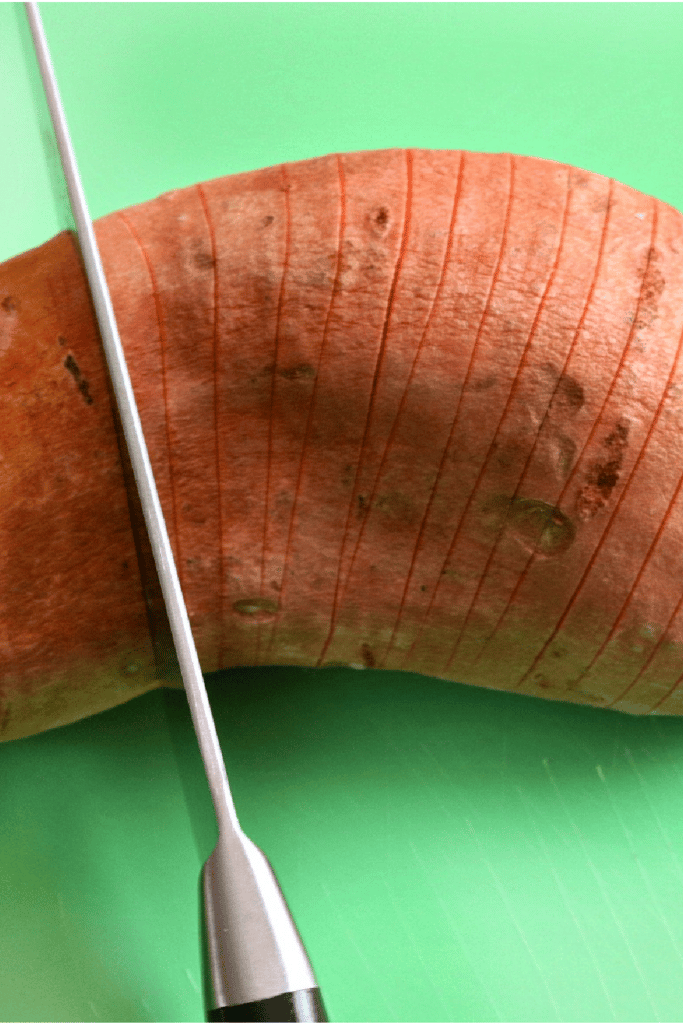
x=406 y=409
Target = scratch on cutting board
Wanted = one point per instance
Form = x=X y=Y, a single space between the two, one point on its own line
x=194 y=984
x=447 y=812
x=654 y=901
x=665 y=751
x=381 y=993
x=601 y=886
x=428 y=874
x=567 y=902
x=434 y=982
x=520 y=931
x=455 y=931
x=662 y=831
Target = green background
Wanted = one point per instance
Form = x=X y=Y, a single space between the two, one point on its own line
x=449 y=853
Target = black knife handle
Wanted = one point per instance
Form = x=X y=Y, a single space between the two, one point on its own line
x=305 y=1004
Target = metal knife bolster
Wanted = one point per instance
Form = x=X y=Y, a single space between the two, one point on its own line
x=254 y=949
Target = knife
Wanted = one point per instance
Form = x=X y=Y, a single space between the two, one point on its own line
x=256 y=966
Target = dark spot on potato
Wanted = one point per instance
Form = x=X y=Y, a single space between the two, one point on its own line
x=254 y=606
x=483 y=383
x=267 y=371
x=566 y=453
x=538 y=526
x=267 y=221
x=9 y=304
x=62 y=340
x=204 y=260
x=602 y=205
x=397 y=509
x=380 y=217
x=367 y=656
x=568 y=395
x=603 y=476
x=304 y=371
x=82 y=384
x=570 y=392
x=275 y=585
x=651 y=289
x=318 y=279
x=619 y=436
x=362 y=505
x=508 y=454
x=423 y=587
x=5 y=718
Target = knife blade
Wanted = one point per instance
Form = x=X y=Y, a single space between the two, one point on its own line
x=258 y=968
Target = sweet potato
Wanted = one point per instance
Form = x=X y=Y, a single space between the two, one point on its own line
x=406 y=409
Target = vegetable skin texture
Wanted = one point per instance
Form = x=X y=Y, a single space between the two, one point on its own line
x=407 y=409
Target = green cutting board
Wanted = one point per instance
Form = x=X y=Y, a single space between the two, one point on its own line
x=449 y=853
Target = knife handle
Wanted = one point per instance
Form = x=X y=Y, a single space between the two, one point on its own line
x=305 y=1005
